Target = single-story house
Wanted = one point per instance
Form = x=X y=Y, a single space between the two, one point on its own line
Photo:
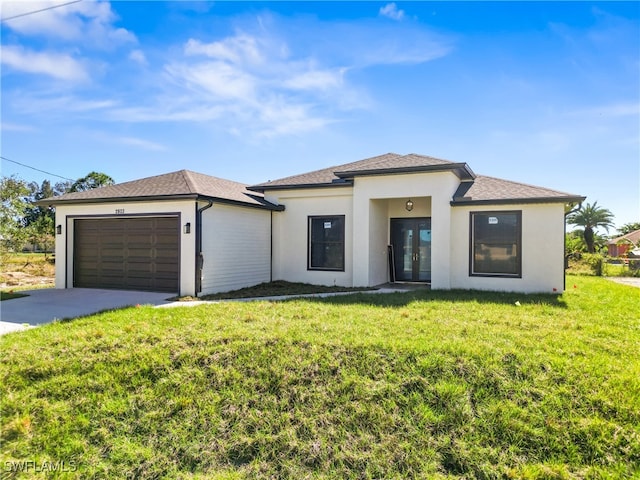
x=620 y=246
x=402 y=218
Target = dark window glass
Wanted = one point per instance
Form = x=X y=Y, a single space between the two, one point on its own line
x=496 y=239
x=326 y=243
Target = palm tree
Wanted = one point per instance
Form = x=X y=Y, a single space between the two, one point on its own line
x=591 y=217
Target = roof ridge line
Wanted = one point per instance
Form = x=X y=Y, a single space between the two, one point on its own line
x=186 y=174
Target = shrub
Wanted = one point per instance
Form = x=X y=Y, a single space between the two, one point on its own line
x=595 y=262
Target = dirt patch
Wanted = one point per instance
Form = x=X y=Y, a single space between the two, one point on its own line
x=22 y=279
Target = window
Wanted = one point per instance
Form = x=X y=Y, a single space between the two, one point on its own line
x=496 y=244
x=326 y=243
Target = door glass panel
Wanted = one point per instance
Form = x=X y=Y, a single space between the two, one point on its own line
x=407 y=253
x=411 y=240
x=424 y=251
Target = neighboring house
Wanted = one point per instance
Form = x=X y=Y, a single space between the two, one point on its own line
x=408 y=218
x=619 y=246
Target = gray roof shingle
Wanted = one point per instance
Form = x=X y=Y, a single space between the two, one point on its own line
x=388 y=163
x=474 y=189
x=181 y=184
x=485 y=189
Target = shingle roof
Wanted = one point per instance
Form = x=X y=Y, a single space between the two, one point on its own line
x=485 y=189
x=181 y=184
x=473 y=189
x=388 y=163
x=633 y=237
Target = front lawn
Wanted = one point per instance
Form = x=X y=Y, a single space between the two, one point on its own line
x=280 y=288
x=10 y=295
x=422 y=384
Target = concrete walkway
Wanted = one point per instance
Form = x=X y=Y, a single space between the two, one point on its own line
x=633 y=281
x=46 y=305
x=194 y=303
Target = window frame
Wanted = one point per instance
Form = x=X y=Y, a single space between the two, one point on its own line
x=518 y=243
x=325 y=218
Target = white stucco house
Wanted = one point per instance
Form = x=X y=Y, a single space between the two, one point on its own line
x=402 y=218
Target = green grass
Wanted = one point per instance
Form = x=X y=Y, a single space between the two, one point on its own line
x=10 y=295
x=279 y=288
x=423 y=384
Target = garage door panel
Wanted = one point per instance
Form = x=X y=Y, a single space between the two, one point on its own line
x=164 y=255
x=141 y=253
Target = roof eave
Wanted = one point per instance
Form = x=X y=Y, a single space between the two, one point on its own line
x=262 y=206
x=52 y=202
x=461 y=170
x=263 y=188
x=512 y=201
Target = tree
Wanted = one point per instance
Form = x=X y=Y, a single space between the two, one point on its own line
x=39 y=220
x=628 y=228
x=92 y=180
x=13 y=192
x=591 y=217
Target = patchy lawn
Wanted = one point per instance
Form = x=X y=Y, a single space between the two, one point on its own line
x=423 y=384
x=27 y=270
x=277 y=288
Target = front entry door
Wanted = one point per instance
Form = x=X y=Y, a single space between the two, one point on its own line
x=411 y=240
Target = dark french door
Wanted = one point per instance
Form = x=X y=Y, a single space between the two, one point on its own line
x=411 y=240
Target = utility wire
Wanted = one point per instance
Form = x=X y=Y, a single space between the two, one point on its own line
x=37 y=169
x=38 y=11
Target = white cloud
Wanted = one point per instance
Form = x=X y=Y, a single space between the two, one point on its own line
x=92 y=22
x=273 y=76
x=138 y=57
x=241 y=48
x=48 y=103
x=610 y=111
x=16 y=127
x=278 y=118
x=141 y=143
x=316 y=80
x=217 y=79
x=57 y=65
x=391 y=10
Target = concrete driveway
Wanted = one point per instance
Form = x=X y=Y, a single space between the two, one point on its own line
x=46 y=305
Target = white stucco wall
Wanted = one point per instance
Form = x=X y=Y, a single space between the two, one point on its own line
x=236 y=242
x=65 y=215
x=542 y=250
x=290 y=229
x=369 y=260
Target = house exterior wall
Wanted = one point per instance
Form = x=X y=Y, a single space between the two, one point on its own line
x=290 y=233
x=65 y=215
x=236 y=242
x=368 y=207
x=369 y=259
x=542 y=249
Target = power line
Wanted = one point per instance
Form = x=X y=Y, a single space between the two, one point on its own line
x=36 y=169
x=38 y=11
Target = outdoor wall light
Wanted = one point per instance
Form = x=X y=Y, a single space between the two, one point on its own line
x=187 y=227
x=59 y=229
x=409 y=205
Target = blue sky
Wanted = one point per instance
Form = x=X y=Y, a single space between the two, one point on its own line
x=544 y=93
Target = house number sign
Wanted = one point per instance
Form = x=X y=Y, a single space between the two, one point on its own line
x=119 y=211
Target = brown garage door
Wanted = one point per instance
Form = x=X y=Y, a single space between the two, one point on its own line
x=140 y=253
